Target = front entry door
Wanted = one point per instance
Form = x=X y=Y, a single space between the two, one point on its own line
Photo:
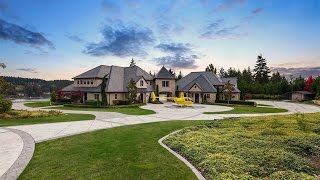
x=196 y=98
x=141 y=97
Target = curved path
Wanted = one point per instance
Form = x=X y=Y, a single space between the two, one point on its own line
x=12 y=146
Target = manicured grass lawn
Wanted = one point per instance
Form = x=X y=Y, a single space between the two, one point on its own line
x=249 y=110
x=38 y=104
x=273 y=147
x=129 y=152
x=48 y=119
x=123 y=110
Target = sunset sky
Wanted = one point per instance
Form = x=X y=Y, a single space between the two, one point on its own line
x=59 y=39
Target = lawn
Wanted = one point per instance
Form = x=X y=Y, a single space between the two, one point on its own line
x=22 y=117
x=38 y=104
x=128 y=152
x=273 y=147
x=123 y=110
x=249 y=110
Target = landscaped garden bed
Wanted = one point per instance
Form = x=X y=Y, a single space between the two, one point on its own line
x=23 y=117
x=274 y=147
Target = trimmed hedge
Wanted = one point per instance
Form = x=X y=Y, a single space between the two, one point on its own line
x=248 y=103
x=266 y=96
x=63 y=101
x=157 y=102
x=5 y=105
x=121 y=102
x=90 y=106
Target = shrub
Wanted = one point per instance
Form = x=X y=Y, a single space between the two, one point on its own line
x=63 y=101
x=53 y=97
x=157 y=102
x=5 y=105
x=249 y=103
x=91 y=103
x=120 y=102
x=265 y=96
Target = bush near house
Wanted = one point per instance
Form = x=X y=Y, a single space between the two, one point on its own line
x=248 y=103
x=5 y=105
x=121 y=102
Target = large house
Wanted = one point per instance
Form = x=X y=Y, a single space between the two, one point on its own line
x=88 y=84
x=199 y=86
x=205 y=87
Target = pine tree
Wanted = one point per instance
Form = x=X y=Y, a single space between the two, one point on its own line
x=132 y=91
x=103 y=91
x=211 y=68
x=261 y=70
x=132 y=63
x=180 y=76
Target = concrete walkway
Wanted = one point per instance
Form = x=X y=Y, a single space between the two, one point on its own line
x=11 y=144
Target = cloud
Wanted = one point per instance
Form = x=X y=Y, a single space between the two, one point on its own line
x=30 y=70
x=177 y=48
x=216 y=30
x=178 y=61
x=122 y=40
x=253 y=14
x=230 y=4
x=257 y=11
x=3 y=6
x=21 y=35
x=296 y=72
x=75 y=38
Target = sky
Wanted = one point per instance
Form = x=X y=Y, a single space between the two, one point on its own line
x=59 y=39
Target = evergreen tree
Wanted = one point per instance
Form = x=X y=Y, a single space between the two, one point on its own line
x=103 y=91
x=221 y=73
x=180 y=76
x=132 y=63
x=211 y=68
x=261 y=70
x=298 y=84
x=3 y=83
x=132 y=91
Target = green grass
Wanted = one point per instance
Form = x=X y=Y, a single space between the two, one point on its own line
x=123 y=110
x=249 y=110
x=273 y=147
x=129 y=152
x=48 y=119
x=38 y=104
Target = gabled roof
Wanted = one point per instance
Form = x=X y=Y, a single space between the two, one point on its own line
x=211 y=78
x=202 y=81
x=232 y=80
x=117 y=78
x=164 y=74
x=97 y=72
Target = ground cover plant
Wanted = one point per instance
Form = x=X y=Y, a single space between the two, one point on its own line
x=237 y=109
x=23 y=117
x=124 y=110
x=273 y=147
x=128 y=152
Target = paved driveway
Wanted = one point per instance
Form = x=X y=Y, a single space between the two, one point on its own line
x=11 y=145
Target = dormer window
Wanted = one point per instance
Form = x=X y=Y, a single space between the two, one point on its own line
x=141 y=82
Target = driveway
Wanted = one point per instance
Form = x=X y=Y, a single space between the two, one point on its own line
x=12 y=143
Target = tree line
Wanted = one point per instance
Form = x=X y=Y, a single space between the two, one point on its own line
x=261 y=81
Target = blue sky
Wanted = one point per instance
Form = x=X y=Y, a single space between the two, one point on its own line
x=58 y=39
